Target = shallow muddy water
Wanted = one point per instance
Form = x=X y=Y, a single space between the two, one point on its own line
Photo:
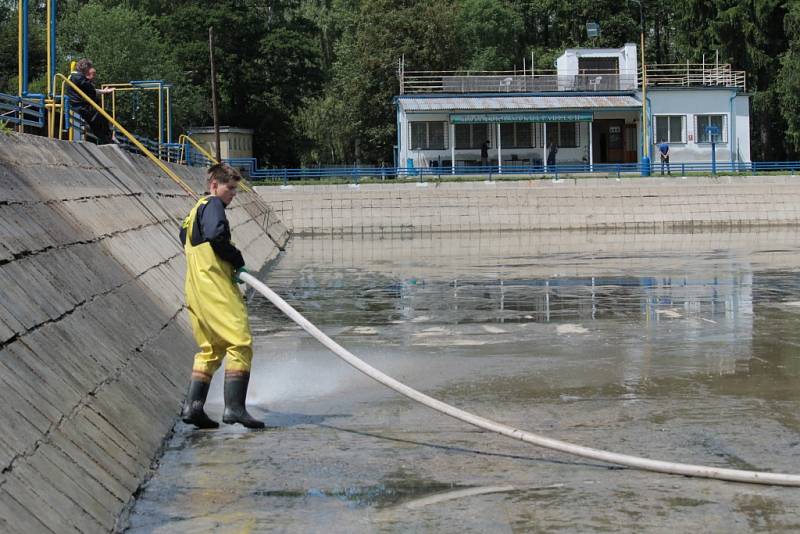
x=680 y=347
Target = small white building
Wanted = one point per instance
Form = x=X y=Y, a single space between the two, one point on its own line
x=590 y=109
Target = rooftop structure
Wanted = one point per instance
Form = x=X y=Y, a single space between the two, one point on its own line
x=577 y=69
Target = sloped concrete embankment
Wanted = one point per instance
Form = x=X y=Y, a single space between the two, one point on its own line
x=584 y=204
x=95 y=345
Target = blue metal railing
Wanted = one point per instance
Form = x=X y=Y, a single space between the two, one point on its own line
x=27 y=110
x=493 y=171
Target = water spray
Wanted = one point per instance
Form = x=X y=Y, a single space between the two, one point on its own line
x=637 y=462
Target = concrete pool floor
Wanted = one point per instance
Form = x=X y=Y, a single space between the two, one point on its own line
x=680 y=347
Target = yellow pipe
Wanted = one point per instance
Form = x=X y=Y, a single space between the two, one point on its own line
x=130 y=137
x=199 y=148
x=49 y=106
x=19 y=49
x=21 y=127
x=60 y=115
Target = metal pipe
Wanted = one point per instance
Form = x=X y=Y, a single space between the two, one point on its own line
x=731 y=128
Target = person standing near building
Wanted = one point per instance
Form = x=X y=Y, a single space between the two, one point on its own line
x=217 y=311
x=663 y=151
x=83 y=77
x=485 y=154
x=551 y=154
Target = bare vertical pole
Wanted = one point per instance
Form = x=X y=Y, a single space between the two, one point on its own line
x=217 y=153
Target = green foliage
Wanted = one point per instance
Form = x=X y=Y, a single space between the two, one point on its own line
x=315 y=79
x=355 y=111
x=487 y=34
x=123 y=44
x=789 y=80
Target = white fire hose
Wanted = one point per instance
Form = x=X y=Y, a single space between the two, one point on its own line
x=735 y=475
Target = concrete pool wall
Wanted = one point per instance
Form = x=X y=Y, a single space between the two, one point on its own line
x=587 y=203
x=95 y=345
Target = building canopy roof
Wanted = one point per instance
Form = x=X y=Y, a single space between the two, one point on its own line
x=517 y=103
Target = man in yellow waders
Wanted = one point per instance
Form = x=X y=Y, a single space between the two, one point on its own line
x=216 y=308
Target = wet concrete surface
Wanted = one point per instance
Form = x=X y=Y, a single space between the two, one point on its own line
x=680 y=347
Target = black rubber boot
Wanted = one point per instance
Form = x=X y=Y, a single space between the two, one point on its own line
x=193 y=413
x=235 y=395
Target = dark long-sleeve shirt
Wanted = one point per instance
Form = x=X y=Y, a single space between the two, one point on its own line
x=211 y=225
x=76 y=101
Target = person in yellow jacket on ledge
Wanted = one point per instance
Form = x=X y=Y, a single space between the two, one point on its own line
x=216 y=308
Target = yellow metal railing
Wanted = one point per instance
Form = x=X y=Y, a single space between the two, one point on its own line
x=160 y=164
x=135 y=142
x=113 y=121
x=196 y=145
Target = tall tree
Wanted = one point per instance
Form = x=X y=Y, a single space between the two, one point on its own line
x=749 y=34
x=789 y=80
x=357 y=102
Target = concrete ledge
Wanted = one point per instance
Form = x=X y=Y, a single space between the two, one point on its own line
x=95 y=349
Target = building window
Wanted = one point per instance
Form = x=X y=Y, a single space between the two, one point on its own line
x=538 y=134
x=568 y=134
x=471 y=135
x=563 y=134
x=704 y=121
x=428 y=135
x=516 y=135
x=464 y=136
x=670 y=128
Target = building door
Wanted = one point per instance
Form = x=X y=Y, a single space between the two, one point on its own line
x=608 y=138
x=630 y=143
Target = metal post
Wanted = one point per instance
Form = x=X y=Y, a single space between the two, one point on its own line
x=452 y=148
x=169 y=115
x=713 y=155
x=214 y=92
x=160 y=117
x=49 y=74
x=24 y=38
x=645 y=141
x=544 y=145
x=499 y=151
x=22 y=57
x=591 y=151
x=50 y=102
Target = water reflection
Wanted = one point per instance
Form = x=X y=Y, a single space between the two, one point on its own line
x=386 y=281
x=656 y=305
